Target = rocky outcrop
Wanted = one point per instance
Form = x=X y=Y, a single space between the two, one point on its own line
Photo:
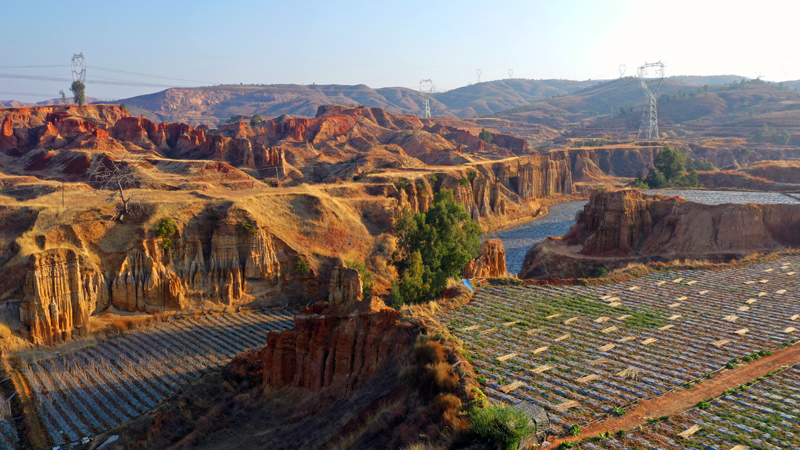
x=336 y=352
x=229 y=266
x=60 y=294
x=345 y=285
x=490 y=263
x=620 y=227
x=504 y=190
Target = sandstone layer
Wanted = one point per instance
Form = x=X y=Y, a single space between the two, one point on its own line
x=621 y=227
x=339 y=352
x=490 y=263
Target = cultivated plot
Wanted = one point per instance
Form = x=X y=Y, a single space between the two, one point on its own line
x=582 y=351
x=89 y=391
x=765 y=415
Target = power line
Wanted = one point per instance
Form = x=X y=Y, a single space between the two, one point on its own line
x=148 y=75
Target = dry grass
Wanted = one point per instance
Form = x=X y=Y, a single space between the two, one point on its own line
x=631 y=373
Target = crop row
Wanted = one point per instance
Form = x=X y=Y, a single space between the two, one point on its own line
x=88 y=391
x=765 y=415
x=8 y=434
x=581 y=351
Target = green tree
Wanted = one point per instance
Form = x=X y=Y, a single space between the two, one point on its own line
x=672 y=168
x=655 y=179
x=78 y=92
x=670 y=162
x=432 y=247
x=486 y=136
x=256 y=119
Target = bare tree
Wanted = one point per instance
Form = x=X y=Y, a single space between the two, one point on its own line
x=120 y=178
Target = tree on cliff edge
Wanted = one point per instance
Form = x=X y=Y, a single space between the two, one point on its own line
x=78 y=92
x=432 y=247
x=120 y=178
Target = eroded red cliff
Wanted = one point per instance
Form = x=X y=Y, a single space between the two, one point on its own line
x=335 y=352
x=619 y=227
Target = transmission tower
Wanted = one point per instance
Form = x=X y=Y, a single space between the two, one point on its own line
x=510 y=73
x=79 y=68
x=426 y=87
x=479 y=72
x=622 y=69
x=654 y=72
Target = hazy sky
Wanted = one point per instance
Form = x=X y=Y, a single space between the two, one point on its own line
x=380 y=44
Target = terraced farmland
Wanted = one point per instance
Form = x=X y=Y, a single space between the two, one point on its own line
x=764 y=416
x=86 y=392
x=8 y=434
x=721 y=197
x=581 y=351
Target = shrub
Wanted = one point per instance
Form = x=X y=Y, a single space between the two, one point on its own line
x=601 y=271
x=618 y=410
x=464 y=182
x=367 y=279
x=166 y=229
x=302 y=266
x=621 y=434
x=247 y=227
x=574 y=430
x=504 y=425
x=702 y=404
x=485 y=136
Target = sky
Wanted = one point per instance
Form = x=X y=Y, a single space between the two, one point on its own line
x=141 y=47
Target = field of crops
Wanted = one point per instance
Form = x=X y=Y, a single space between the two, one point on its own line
x=8 y=435
x=581 y=351
x=86 y=392
x=764 y=416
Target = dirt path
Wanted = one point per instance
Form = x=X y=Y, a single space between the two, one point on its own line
x=677 y=402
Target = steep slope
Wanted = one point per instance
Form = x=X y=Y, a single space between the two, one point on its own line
x=621 y=227
x=214 y=104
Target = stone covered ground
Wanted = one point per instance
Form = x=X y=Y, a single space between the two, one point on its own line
x=86 y=392
x=581 y=351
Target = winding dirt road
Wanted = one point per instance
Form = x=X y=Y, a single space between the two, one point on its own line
x=679 y=401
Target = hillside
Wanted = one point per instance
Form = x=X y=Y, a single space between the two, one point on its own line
x=213 y=104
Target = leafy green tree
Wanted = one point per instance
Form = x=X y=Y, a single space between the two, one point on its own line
x=486 y=136
x=256 y=119
x=670 y=162
x=655 y=179
x=672 y=168
x=432 y=247
x=78 y=92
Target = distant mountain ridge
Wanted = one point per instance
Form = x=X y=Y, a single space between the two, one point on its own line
x=213 y=104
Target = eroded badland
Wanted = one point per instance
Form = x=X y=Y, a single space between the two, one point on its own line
x=166 y=285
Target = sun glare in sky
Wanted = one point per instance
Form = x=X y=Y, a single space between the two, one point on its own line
x=144 y=47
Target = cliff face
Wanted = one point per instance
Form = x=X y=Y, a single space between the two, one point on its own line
x=626 y=226
x=501 y=191
x=336 y=352
x=491 y=261
x=60 y=293
x=229 y=265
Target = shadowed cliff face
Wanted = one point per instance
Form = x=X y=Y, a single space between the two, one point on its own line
x=620 y=227
x=336 y=352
